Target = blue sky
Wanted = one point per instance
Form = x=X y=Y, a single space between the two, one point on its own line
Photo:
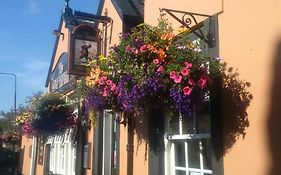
x=26 y=44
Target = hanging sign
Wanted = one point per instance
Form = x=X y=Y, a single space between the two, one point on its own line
x=83 y=48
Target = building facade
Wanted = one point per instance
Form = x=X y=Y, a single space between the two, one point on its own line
x=226 y=140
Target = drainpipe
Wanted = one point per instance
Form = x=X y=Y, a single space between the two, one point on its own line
x=33 y=156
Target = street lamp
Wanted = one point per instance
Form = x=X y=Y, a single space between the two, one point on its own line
x=15 y=95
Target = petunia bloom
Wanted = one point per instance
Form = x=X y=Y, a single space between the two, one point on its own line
x=184 y=72
x=187 y=90
x=135 y=51
x=160 y=69
x=177 y=78
x=127 y=48
x=113 y=87
x=172 y=74
x=187 y=65
x=191 y=82
x=156 y=61
x=143 y=48
x=108 y=82
x=104 y=93
x=202 y=82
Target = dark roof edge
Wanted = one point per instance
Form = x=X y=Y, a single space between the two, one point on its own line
x=53 y=55
x=117 y=8
x=136 y=9
x=100 y=7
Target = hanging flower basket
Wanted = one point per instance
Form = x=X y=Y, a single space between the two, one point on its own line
x=11 y=138
x=152 y=66
x=49 y=115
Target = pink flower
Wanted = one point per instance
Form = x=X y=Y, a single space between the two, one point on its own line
x=125 y=104
x=102 y=80
x=187 y=90
x=108 y=82
x=187 y=65
x=143 y=48
x=160 y=69
x=184 y=72
x=104 y=93
x=135 y=51
x=177 y=78
x=172 y=74
x=156 y=61
x=127 y=49
x=202 y=82
x=113 y=87
x=191 y=82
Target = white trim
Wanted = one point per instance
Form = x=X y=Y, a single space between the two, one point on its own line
x=190 y=136
x=33 y=156
x=107 y=121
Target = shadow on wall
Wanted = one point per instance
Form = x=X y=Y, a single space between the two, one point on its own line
x=235 y=99
x=274 y=116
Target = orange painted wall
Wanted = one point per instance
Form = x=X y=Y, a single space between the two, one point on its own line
x=39 y=168
x=251 y=47
x=90 y=141
x=140 y=147
x=250 y=40
x=24 y=156
x=62 y=45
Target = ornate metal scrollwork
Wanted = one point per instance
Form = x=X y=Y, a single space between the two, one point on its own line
x=189 y=21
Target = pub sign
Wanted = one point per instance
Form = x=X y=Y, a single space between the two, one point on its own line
x=84 y=47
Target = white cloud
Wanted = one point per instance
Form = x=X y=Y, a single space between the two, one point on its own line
x=33 y=8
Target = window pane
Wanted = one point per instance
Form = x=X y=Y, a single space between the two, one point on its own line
x=193 y=154
x=62 y=157
x=204 y=125
x=180 y=172
x=187 y=125
x=204 y=108
x=179 y=154
x=194 y=173
x=206 y=151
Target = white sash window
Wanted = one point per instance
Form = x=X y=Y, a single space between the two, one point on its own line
x=188 y=145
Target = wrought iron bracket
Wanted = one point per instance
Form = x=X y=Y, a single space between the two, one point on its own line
x=188 y=20
x=73 y=18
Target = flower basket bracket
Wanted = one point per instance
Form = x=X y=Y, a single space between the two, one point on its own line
x=188 y=20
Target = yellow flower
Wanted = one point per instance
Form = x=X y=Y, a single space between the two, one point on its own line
x=182 y=30
x=101 y=57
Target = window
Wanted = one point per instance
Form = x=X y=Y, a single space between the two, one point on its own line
x=62 y=158
x=110 y=144
x=73 y=165
x=188 y=144
x=60 y=155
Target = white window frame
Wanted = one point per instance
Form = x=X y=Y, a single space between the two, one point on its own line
x=169 y=141
x=73 y=158
x=62 y=154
